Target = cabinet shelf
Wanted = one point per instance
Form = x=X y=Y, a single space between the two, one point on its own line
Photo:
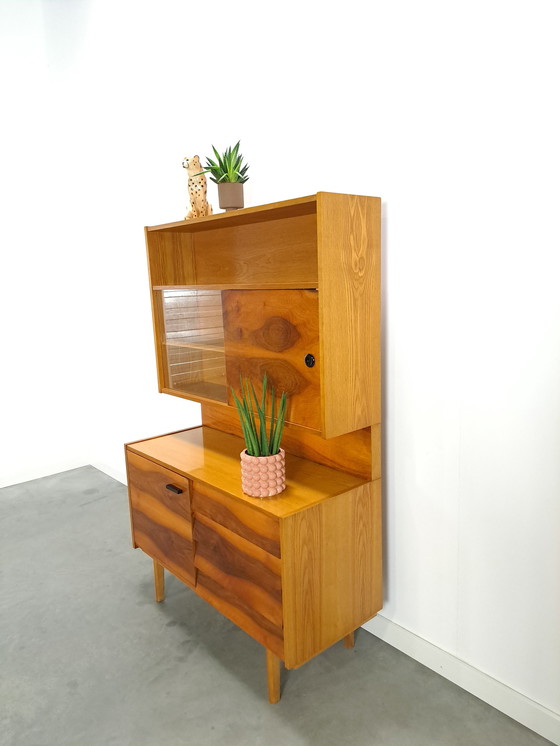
x=201 y=345
x=200 y=390
x=311 y=285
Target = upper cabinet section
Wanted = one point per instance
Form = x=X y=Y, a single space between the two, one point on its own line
x=291 y=289
x=274 y=246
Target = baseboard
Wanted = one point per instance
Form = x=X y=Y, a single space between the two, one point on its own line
x=117 y=474
x=526 y=711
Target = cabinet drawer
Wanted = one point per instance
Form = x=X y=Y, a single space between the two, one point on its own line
x=258 y=528
x=161 y=515
x=235 y=573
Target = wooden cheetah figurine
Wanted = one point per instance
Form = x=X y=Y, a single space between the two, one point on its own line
x=197 y=189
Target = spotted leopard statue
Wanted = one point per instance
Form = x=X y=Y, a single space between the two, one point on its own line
x=197 y=189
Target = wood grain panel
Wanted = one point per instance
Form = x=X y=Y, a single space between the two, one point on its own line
x=356 y=453
x=152 y=479
x=170 y=258
x=173 y=550
x=258 y=556
x=234 y=564
x=161 y=519
x=253 y=252
x=349 y=238
x=231 y=606
x=331 y=571
x=256 y=527
x=272 y=331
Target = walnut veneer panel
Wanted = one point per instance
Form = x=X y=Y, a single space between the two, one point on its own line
x=254 y=526
x=242 y=573
x=349 y=238
x=211 y=457
x=231 y=606
x=357 y=453
x=161 y=519
x=331 y=571
x=272 y=331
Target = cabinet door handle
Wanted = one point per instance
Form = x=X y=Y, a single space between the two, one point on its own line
x=172 y=488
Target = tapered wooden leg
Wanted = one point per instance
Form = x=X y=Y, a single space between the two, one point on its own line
x=273 y=677
x=159 y=581
x=349 y=640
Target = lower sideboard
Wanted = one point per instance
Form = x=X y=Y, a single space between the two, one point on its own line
x=297 y=572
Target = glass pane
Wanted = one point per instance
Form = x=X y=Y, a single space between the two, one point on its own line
x=194 y=339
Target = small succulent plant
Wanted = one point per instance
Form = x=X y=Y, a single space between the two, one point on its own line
x=253 y=416
x=227 y=167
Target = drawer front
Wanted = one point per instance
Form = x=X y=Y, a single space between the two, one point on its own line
x=161 y=515
x=258 y=528
x=234 y=573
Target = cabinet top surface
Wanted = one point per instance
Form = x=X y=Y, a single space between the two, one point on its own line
x=211 y=456
x=259 y=213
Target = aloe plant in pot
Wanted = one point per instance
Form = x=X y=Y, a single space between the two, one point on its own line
x=229 y=173
x=263 y=470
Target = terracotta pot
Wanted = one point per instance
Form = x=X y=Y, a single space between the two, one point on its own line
x=263 y=476
x=230 y=194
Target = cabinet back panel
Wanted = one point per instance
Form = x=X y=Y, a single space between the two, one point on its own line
x=357 y=453
x=257 y=253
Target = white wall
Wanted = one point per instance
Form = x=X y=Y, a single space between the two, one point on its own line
x=448 y=111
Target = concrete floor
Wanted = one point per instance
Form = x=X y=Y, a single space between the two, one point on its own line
x=87 y=658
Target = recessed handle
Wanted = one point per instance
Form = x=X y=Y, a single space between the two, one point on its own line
x=172 y=488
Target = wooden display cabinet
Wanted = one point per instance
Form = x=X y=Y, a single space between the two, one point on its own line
x=292 y=290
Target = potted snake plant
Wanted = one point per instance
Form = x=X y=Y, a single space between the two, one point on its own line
x=263 y=470
x=229 y=173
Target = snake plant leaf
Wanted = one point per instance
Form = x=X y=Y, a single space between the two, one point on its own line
x=263 y=398
x=279 y=424
x=273 y=423
x=261 y=430
x=260 y=440
x=249 y=436
x=262 y=416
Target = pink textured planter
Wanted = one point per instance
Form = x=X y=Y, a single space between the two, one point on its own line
x=263 y=476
